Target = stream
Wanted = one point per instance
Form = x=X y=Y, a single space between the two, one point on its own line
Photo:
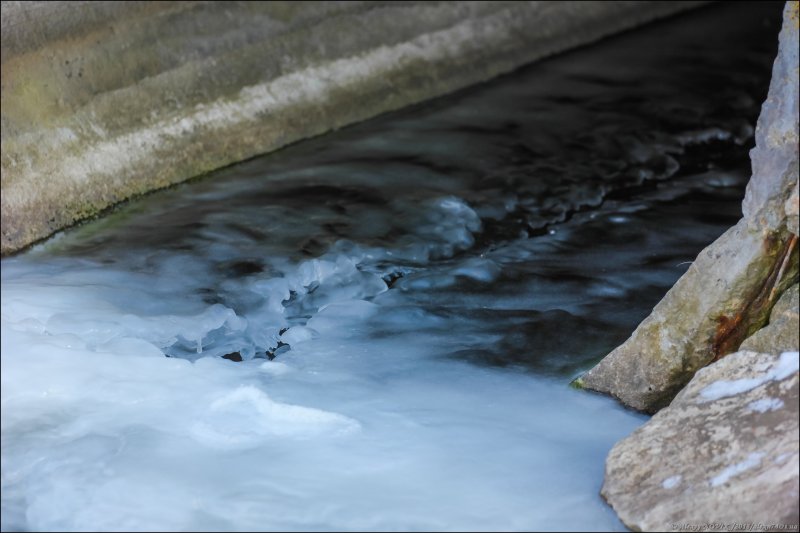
x=376 y=329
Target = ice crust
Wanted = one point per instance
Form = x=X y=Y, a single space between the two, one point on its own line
x=101 y=431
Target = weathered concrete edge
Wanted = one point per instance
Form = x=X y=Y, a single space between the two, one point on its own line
x=301 y=104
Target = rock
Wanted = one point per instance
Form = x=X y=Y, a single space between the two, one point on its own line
x=725 y=296
x=236 y=357
x=783 y=331
x=792 y=210
x=724 y=452
x=787 y=305
x=775 y=157
x=727 y=293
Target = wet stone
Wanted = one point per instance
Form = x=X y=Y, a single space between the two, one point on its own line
x=236 y=357
x=725 y=451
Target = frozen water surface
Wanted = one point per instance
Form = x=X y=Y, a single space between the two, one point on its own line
x=375 y=329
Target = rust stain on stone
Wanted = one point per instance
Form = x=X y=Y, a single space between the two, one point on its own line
x=733 y=329
x=728 y=334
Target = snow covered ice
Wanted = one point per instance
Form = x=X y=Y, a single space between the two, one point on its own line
x=101 y=431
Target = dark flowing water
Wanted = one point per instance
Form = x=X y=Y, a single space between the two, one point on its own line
x=376 y=329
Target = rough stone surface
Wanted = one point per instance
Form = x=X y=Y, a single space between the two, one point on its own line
x=792 y=211
x=724 y=452
x=727 y=293
x=102 y=101
x=775 y=157
x=783 y=331
x=723 y=298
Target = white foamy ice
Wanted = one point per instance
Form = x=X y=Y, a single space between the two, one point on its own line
x=297 y=334
x=348 y=432
x=121 y=305
x=317 y=282
x=274 y=368
x=246 y=417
